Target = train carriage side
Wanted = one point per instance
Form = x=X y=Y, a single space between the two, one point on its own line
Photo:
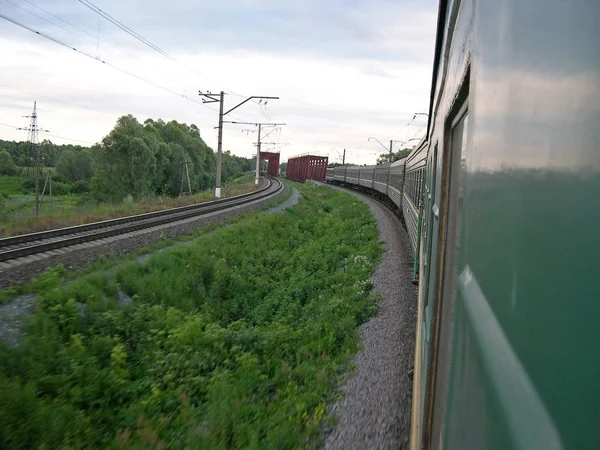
x=339 y=174
x=507 y=329
x=329 y=174
x=366 y=176
x=412 y=194
x=381 y=177
x=352 y=175
x=396 y=181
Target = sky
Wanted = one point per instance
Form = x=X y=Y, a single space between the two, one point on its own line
x=344 y=70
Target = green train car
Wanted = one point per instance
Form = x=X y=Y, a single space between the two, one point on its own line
x=509 y=300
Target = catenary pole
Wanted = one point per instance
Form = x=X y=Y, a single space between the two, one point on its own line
x=211 y=98
x=258 y=156
x=219 y=147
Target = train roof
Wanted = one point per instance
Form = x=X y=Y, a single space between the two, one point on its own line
x=437 y=57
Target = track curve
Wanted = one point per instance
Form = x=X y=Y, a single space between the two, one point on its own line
x=30 y=244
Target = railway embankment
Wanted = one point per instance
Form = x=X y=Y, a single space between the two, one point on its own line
x=375 y=406
x=234 y=340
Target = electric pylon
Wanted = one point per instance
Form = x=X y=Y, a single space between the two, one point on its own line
x=33 y=155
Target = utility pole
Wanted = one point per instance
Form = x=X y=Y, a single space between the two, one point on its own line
x=185 y=171
x=212 y=98
x=391 y=157
x=258 y=145
x=343 y=155
x=258 y=156
x=35 y=149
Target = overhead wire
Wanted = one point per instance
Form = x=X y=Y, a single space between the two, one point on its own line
x=61 y=19
x=147 y=42
x=57 y=41
x=125 y=28
x=49 y=134
x=68 y=139
x=150 y=44
x=115 y=22
x=46 y=20
x=95 y=37
x=53 y=99
x=139 y=37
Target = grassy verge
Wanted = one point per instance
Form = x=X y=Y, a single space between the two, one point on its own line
x=233 y=342
x=58 y=276
x=16 y=211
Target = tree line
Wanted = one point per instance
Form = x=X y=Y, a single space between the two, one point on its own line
x=397 y=155
x=133 y=159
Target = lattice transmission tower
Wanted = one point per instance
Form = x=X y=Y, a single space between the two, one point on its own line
x=33 y=161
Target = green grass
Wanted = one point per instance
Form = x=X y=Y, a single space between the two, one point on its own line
x=17 y=211
x=59 y=276
x=10 y=185
x=236 y=341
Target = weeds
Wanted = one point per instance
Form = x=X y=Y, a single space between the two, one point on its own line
x=16 y=213
x=235 y=341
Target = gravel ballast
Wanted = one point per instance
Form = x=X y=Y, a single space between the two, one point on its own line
x=375 y=410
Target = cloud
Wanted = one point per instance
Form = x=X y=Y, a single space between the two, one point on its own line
x=343 y=70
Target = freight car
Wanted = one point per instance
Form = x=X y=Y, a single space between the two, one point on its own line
x=505 y=194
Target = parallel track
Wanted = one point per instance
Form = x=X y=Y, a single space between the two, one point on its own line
x=34 y=243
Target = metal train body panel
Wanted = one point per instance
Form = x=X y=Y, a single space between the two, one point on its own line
x=339 y=173
x=381 y=177
x=384 y=179
x=412 y=195
x=506 y=354
x=352 y=173
x=366 y=176
x=329 y=174
x=396 y=182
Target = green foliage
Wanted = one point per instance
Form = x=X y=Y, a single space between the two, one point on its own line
x=141 y=160
x=74 y=166
x=236 y=341
x=21 y=152
x=133 y=159
x=126 y=161
x=79 y=187
x=11 y=185
x=7 y=164
x=399 y=154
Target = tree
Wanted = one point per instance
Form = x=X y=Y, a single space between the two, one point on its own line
x=399 y=154
x=126 y=162
x=7 y=164
x=74 y=165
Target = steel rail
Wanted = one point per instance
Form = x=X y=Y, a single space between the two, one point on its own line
x=12 y=248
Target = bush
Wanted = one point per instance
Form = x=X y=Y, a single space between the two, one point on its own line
x=236 y=341
x=28 y=185
x=7 y=164
x=79 y=187
x=75 y=166
x=58 y=178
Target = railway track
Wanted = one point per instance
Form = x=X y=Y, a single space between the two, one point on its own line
x=15 y=247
